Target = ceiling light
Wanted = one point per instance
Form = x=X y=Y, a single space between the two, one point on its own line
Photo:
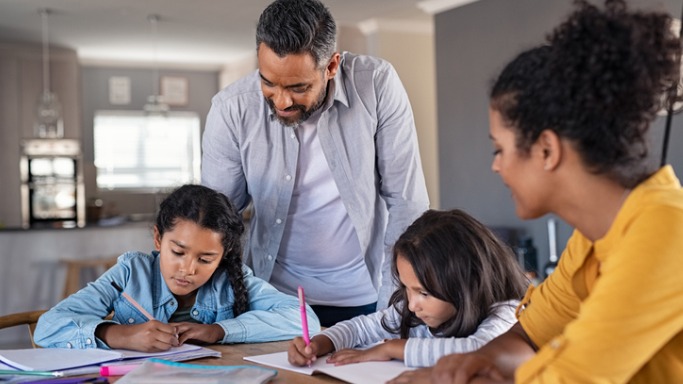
x=155 y=103
x=49 y=123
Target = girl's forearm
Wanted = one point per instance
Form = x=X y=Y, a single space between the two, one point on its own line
x=395 y=348
x=324 y=345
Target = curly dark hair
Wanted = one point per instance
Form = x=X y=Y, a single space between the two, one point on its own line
x=599 y=83
x=211 y=210
x=298 y=26
x=460 y=261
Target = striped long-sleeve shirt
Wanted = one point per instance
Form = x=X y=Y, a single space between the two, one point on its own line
x=423 y=348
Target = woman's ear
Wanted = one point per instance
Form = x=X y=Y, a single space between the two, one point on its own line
x=157 y=239
x=551 y=148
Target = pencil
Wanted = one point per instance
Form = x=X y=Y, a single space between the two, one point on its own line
x=304 y=319
x=132 y=301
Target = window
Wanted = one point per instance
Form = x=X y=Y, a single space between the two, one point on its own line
x=138 y=151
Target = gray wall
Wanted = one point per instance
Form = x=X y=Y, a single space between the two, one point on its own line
x=95 y=81
x=473 y=43
x=21 y=82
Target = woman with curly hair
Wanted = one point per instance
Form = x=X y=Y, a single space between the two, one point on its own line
x=569 y=124
x=192 y=288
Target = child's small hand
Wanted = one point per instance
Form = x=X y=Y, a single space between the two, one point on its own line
x=301 y=355
x=349 y=356
x=390 y=349
x=152 y=336
x=202 y=333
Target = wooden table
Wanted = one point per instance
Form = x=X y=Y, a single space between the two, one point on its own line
x=233 y=355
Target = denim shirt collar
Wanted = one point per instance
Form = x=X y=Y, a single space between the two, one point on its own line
x=161 y=290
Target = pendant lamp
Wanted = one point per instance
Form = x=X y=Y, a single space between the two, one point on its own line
x=155 y=104
x=49 y=123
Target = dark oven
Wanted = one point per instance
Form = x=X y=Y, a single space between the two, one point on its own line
x=52 y=188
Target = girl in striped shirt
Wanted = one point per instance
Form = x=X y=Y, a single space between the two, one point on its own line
x=458 y=289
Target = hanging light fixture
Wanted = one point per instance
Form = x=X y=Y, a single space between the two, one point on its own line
x=49 y=123
x=155 y=103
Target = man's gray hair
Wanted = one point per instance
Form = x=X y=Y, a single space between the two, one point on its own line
x=298 y=26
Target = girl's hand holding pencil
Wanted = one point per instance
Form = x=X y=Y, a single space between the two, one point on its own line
x=152 y=336
x=301 y=354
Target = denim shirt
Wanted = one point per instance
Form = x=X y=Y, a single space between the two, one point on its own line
x=272 y=315
x=367 y=133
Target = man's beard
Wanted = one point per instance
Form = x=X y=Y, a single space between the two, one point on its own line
x=304 y=113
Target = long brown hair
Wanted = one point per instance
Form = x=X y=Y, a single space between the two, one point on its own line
x=460 y=261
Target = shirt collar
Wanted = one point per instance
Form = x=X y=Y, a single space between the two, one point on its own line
x=161 y=290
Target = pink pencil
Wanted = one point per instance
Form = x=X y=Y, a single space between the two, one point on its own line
x=132 y=301
x=117 y=369
x=304 y=319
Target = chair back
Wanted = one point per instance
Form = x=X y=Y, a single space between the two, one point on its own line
x=29 y=319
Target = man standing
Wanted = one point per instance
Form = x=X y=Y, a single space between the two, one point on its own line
x=324 y=146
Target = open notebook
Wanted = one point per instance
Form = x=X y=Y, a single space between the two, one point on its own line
x=369 y=372
x=82 y=361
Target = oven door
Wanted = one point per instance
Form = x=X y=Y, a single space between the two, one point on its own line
x=53 y=201
x=52 y=188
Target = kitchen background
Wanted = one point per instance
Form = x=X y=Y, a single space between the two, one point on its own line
x=446 y=52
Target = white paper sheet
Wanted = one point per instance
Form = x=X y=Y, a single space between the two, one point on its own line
x=369 y=372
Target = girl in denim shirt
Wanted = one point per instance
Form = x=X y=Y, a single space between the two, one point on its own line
x=194 y=284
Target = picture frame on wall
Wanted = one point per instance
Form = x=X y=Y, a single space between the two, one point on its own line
x=174 y=90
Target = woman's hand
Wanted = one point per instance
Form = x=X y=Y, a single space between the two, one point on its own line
x=417 y=376
x=466 y=368
x=453 y=369
x=152 y=336
x=300 y=354
x=199 y=333
x=390 y=349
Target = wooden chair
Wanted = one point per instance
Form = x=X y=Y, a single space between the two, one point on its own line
x=23 y=318
x=75 y=269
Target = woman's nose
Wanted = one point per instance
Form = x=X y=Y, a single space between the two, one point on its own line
x=494 y=166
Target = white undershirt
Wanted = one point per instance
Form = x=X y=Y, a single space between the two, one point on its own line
x=320 y=249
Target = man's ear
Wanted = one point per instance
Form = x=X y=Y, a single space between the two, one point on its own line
x=157 y=239
x=333 y=66
x=551 y=148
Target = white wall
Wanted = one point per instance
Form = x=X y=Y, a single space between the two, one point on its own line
x=409 y=47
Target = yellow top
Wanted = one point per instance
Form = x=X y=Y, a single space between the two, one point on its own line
x=613 y=310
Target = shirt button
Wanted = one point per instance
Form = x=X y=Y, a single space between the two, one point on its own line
x=88 y=341
x=292 y=135
x=278 y=221
x=131 y=320
x=195 y=312
x=270 y=257
x=555 y=344
x=172 y=303
x=68 y=345
x=288 y=177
